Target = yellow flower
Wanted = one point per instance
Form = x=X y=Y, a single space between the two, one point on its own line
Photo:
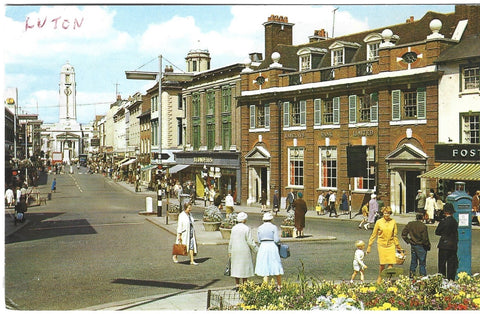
x=363 y=289
x=476 y=301
x=342 y=296
x=392 y=289
x=386 y=305
x=372 y=289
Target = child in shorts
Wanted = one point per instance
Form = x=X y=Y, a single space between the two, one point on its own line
x=358 y=264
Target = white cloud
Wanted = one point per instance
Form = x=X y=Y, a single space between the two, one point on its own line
x=63 y=29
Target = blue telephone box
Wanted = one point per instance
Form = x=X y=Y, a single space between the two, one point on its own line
x=462 y=203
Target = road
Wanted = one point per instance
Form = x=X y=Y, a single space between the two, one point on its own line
x=89 y=246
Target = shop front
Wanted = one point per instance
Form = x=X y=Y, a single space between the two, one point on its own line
x=214 y=170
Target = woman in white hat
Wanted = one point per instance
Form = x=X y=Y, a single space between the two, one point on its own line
x=241 y=249
x=268 y=257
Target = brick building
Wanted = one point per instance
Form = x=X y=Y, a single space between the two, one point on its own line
x=373 y=93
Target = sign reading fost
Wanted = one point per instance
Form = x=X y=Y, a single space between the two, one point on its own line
x=202 y=160
x=457 y=152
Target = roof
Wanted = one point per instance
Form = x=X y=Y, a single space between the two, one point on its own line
x=416 y=31
x=467 y=48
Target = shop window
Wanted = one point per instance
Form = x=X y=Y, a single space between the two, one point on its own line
x=295 y=166
x=328 y=167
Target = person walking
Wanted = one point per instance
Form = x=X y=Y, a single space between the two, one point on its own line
x=344 y=202
x=300 y=208
x=9 y=197
x=358 y=264
x=475 y=208
x=263 y=201
x=364 y=216
x=385 y=231
x=420 y=199
x=229 y=204
x=268 y=258
x=276 y=202
x=320 y=208
x=372 y=210
x=332 y=200
x=240 y=250
x=430 y=208
x=290 y=199
x=447 y=229
x=415 y=233
x=54 y=185
x=186 y=233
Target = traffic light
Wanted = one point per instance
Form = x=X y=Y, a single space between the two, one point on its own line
x=15 y=172
x=441 y=187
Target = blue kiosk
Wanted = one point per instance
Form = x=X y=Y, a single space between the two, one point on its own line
x=462 y=203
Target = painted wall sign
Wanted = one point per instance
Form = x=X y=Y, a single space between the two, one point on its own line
x=202 y=160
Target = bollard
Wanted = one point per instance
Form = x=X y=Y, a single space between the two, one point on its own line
x=149 y=207
x=49 y=196
x=159 y=203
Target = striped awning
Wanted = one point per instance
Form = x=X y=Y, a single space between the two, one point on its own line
x=454 y=171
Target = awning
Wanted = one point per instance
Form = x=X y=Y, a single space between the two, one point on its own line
x=149 y=167
x=177 y=168
x=130 y=161
x=454 y=171
x=121 y=161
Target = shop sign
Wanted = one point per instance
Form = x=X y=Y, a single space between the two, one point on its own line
x=457 y=152
x=202 y=160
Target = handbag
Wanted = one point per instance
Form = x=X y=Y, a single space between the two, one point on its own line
x=228 y=268
x=179 y=249
x=284 y=250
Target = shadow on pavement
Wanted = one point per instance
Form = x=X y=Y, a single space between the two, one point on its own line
x=39 y=229
x=154 y=283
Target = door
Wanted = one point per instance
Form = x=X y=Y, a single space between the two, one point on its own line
x=412 y=186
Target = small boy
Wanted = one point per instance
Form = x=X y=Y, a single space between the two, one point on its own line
x=364 y=216
x=358 y=264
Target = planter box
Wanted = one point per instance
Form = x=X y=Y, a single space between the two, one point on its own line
x=287 y=231
x=172 y=216
x=211 y=226
x=226 y=232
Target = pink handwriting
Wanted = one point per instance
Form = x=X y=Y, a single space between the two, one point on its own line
x=55 y=23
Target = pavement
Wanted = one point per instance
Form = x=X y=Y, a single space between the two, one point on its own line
x=197 y=299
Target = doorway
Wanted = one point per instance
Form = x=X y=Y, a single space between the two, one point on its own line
x=412 y=185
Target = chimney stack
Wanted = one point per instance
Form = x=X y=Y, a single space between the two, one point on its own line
x=410 y=20
x=318 y=35
x=277 y=32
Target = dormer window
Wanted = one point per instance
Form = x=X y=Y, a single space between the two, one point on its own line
x=310 y=58
x=342 y=52
x=373 y=44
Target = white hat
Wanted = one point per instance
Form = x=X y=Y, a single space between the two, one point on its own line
x=267 y=216
x=373 y=195
x=242 y=216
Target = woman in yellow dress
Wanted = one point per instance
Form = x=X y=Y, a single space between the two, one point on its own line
x=387 y=243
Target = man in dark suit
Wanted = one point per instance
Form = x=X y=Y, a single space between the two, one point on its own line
x=447 y=229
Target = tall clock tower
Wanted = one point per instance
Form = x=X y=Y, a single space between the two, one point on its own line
x=67 y=94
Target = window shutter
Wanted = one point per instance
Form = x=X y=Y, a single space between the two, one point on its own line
x=336 y=110
x=374 y=107
x=267 y=116
x=317 y=112
x=396 y=104
x=286 y=114
x=352 y=109
x=252 y=116
x=303 y=112
x=421 y=103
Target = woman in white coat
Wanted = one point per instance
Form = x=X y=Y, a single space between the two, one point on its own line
x=186 y=233
x=240 y=250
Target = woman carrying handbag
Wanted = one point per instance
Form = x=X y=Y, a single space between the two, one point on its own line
x=186 y=233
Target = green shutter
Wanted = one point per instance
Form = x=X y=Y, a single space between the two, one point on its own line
x=352 y=109
x=252 y=116
x=396 y=104
x=303 y=112
x=267 y=116
x=286 y=114
x=374 y=107
x=336 y=110
x=317 y=112
x=421 y=103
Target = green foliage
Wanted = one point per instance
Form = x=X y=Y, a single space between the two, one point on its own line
x=212 y=214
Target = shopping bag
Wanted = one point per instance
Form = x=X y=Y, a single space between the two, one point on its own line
x=228 y=268
x=284 y=250
x=179 y=249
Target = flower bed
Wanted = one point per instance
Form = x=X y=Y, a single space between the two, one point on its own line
x=428 y=293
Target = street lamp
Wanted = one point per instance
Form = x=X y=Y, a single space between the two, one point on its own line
x=140 y=75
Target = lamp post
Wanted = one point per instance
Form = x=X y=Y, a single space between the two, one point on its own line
x=140 y=75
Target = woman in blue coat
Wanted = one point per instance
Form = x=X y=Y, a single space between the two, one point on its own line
x=268 y=258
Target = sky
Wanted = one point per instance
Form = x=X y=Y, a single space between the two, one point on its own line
x=101 y=42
